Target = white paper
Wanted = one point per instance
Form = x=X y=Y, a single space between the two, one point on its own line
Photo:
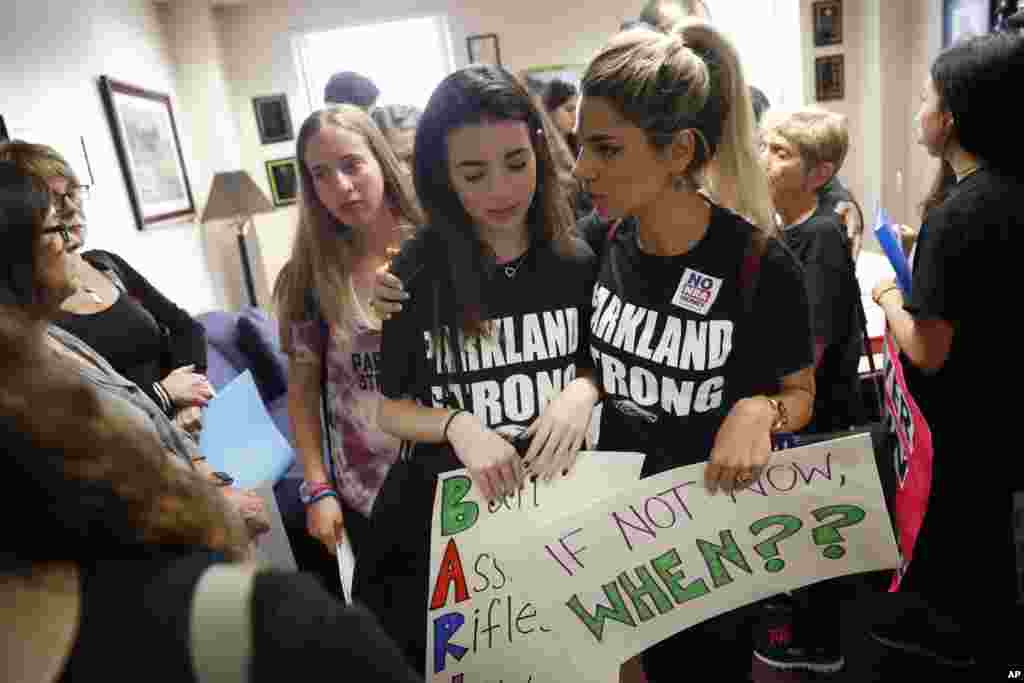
x=513 y=652
x=346 y=567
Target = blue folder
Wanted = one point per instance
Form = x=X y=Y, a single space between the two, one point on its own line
x=890 y=242
x=240 y=438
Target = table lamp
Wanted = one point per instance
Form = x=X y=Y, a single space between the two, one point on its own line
x=235 y=195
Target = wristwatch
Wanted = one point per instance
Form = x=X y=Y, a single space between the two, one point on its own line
x=781 y=417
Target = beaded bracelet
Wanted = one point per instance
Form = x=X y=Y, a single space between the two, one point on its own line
x=329 y=493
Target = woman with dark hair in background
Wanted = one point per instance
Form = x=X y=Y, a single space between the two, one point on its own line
x=947 y=327
x=560 y=100
x=496 y=255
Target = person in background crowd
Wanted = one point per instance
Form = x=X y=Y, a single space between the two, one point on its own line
x=561 y=154
x=947 y=331
x=662 y=15
x=348 y=87
x=497 y=253
x=116 y=311
x=398 y=123
x=357 y=204
x=560 y=100
x=760 y=103
x=801 y=151
x=655 y=109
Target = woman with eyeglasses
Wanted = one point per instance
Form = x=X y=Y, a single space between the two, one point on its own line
x=39 y=272
x=116 y=311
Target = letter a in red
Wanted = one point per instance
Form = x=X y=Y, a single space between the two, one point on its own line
x=451 y=570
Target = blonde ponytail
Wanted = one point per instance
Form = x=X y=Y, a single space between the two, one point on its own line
x=735 y=178
x=689 y=78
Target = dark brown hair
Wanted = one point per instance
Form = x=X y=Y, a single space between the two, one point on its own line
x=472 y=96
x=94 y=480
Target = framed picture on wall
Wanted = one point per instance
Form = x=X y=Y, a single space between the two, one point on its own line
x=829 y=83
x=483 y=48
x=964 y=18
x=283 y=175
x=273 y=119
x=828 y=22
x=148 y=147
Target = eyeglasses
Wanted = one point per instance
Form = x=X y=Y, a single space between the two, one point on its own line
x=61 y=230
x=72 y=199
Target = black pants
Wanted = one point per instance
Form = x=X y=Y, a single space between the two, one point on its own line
x=393 y=566
x=724 y=644
x=310 y=554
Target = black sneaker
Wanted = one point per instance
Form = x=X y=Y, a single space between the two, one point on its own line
x=816 y=659
x=775 y=645
x=948 y=649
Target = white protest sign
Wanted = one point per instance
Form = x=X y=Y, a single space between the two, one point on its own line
x=481 y=622
x=664 y=555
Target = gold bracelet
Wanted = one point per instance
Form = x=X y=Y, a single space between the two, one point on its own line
x=781 y=415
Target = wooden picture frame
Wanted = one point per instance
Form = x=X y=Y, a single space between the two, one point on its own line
x=149 y=149
x=963 y=18
x=829 y=81
x=483 y=48
x=273 y=119
x=828 y=22
x=283 y=175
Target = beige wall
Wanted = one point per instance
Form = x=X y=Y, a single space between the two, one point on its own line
x=888 y=47
x=260 y=60
x=51 y=55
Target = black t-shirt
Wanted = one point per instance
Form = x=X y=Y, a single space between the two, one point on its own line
x=539 y=317
x=143 y=335
x=963 y=272
x=666 y=336
x=831 y=193
x=820 y=244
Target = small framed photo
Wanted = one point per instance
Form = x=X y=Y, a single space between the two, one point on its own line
x=273 y=119
x=828 y=78
x=483 y=48
x=283 y=175
x=828 y=22
x=964 y=18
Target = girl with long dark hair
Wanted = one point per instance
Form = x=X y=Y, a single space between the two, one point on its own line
x=946 y=328
x=494 y=352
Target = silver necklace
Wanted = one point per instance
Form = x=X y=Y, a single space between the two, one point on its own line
x=512 y=267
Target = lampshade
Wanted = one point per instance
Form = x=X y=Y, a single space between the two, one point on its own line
x=234 y=194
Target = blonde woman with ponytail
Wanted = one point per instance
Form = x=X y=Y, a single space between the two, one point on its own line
x=700 y=328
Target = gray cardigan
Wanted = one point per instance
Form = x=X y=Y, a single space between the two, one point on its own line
x=100 y=374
